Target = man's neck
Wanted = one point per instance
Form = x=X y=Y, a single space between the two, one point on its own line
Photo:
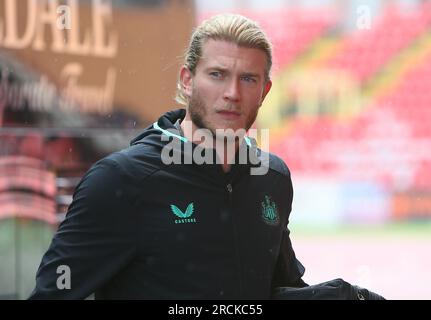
x=189 y=129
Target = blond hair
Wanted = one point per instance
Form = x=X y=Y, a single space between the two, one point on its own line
x=228 y=27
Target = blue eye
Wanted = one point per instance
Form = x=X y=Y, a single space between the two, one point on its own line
x=249 y=79
x=216 y=74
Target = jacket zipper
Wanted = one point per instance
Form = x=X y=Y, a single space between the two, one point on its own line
x=236 y=240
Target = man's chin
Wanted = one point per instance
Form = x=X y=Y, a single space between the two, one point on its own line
x=230 y=132
x=233 y=126
x=224 y=130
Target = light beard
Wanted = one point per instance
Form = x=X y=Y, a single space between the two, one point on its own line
x=198 y=112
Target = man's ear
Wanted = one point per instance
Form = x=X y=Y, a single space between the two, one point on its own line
x=266 y=89
x=186 y=80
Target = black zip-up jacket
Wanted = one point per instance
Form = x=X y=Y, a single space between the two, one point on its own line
x=138 y=228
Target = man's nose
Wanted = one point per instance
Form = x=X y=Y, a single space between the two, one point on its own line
x=232 y=90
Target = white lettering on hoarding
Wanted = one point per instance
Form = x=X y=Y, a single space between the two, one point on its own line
x=64 y=25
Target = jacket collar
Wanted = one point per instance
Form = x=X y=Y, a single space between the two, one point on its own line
x=165 y=125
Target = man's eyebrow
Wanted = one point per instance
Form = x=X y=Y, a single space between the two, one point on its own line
x=250 y=74
x=243 y=74
x=218 y=68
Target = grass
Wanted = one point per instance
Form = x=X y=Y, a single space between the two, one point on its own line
x=416 y=229
x=22 y=244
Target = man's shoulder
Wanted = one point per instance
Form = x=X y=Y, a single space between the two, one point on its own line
x=274 y=163
x=136 y=161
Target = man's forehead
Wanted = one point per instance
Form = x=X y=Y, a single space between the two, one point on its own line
x=226 y=54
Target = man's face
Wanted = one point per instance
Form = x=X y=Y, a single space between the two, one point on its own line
x=228 y=86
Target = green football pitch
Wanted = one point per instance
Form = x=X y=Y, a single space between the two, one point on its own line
x=22 y=244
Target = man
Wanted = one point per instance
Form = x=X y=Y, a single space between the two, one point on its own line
x=144 y=226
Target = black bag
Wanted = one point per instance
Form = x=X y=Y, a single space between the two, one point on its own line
x=336 y=289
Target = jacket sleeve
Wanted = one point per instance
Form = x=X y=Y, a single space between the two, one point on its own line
x=288 y=270
x=94 y=242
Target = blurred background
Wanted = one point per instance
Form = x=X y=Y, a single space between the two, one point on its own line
x=349 y=112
